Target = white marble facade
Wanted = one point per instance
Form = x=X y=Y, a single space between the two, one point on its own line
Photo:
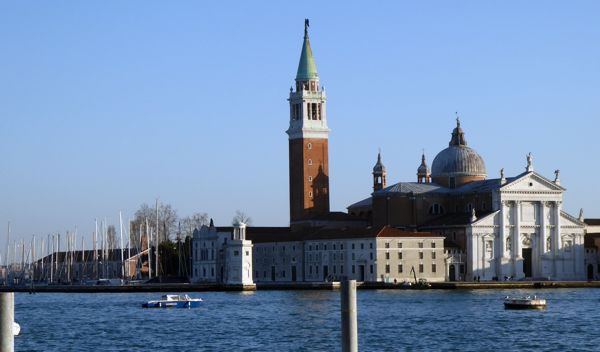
x=528 y=234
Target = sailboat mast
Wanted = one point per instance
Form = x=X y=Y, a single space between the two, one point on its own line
x=157 y=242
x=122 y=255
x=149 y=240
x=6 y=257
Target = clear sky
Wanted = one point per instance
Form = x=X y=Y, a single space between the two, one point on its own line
x=106 y=105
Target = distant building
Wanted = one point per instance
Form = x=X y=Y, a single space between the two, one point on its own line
x=453 y=223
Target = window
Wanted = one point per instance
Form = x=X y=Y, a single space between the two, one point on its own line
x=432 y=255
x=387 y=268
x=371 y=245
x=371 y=255
x=436 y=209
x=399 y=244
x=399 y=255
x=420 y=244
x=309 y=161
x=236 y=253
x=352 y=256
x=352 y=245
x=354 y=269
x=362 y=246
x=420 y=255
x=310 y=194
x=371 y=269
x=334 y=269
x=309 y=178
x=387 y=245
x=387 y=255
x=334 y=246
x=310 y=269
x=309 y=146
x=399 y=268
x=342 y=246
x=433 y=268
x=341 y=269
x=247 y=253
x=420 y=268
x=432 y=244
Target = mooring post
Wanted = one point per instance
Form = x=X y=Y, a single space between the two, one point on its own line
x=7 y=318
x=349 y=321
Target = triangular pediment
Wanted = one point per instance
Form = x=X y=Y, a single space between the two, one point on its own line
x=531 y=182
x=488 y=220
x=568 y=220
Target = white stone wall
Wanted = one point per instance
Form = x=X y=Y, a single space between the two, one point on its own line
x=529 y=235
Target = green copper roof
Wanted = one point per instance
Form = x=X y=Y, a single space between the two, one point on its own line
x=307 y=69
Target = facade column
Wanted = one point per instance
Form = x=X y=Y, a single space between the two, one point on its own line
x=557 y=208
x=481 y=244
x=556 y=245
x=543 y=225
x=518 y=259
x=517 y=231
x=502 y=233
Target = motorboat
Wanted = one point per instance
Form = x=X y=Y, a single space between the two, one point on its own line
x=527 y=302
x=16 y=328
x=174 y=301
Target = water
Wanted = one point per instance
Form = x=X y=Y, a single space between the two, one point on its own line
x=309 y=321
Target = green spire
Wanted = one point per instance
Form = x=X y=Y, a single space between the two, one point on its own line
x=307 y=69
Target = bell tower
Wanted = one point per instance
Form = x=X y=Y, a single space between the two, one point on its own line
x=308 y=140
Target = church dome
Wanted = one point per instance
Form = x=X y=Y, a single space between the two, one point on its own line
x=458 y=159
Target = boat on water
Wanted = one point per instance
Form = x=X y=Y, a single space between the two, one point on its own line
x=174 y=301
x=16 y=328
x=527 y=302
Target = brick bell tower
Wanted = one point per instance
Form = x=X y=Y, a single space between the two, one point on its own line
x=308 y=139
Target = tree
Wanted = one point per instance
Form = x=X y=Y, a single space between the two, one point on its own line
x=192 y=222
x=167 y=221
x=111 y=237
x=242 y=217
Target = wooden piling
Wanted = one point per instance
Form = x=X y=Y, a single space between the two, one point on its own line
x=7 y=318
x=349 y=320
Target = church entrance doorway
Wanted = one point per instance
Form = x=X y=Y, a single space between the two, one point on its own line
x=527 y=262
x=590 y=272
x=361 y=273
x=294 y=273
x=452 y=273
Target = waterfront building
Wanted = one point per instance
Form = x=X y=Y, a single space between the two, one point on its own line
x=509 y=227
x=592 y=248
x=478 y=228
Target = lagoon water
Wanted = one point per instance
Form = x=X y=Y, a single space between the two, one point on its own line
x=309 y=321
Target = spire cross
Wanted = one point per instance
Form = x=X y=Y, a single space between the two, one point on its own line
x=306 y=25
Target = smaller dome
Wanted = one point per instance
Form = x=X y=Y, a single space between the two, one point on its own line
x=379 y=167
x=423 y=168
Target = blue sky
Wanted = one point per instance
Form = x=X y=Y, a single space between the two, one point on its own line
x=107 y=105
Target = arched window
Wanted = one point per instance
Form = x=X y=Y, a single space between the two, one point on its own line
x=309 y=161
x=436 y=209
x=508 y=244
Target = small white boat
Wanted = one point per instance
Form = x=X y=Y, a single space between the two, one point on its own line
x=527 y=302
x=16 y=328
x=174 y=301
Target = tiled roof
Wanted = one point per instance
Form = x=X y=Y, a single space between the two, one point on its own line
x=592 y=222
x=367 y=202
x=263 y=235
